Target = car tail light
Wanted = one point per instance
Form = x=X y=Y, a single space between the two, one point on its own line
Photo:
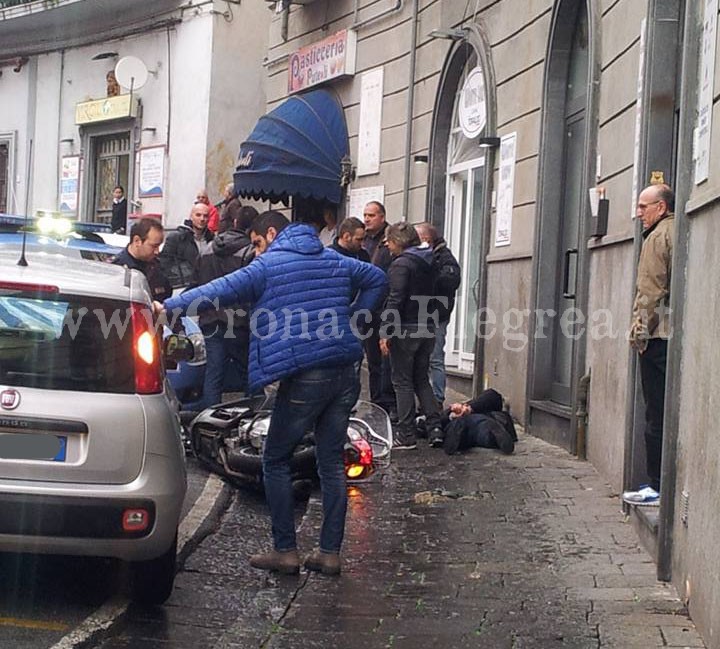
x=135 y=520
x=29 y=288
x=146 y=351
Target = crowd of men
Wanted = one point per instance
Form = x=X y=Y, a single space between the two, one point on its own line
x=402 y=277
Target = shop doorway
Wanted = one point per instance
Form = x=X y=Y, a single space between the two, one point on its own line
x=111 y=167
x=459 y=187
x=463 y=233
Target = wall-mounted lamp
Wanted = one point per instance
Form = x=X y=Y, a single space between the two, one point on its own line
x=420 y=159
x=347 y=171
x=104 y=55
x=489 y=142
x=454 y=34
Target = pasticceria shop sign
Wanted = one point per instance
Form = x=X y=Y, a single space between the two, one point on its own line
x=327 y=59
x=100 y=110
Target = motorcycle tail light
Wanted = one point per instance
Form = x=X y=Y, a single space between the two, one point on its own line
x=355 y=471
x=365 y=452
x=358 y=458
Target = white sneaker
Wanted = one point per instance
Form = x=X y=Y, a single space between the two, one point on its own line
x=645 y=496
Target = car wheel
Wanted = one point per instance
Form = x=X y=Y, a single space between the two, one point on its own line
x=152 y=581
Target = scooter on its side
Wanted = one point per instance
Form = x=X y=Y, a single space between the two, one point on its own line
x=229 y=439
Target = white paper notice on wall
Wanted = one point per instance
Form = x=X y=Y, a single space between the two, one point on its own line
x=506 y=188
x=638 y=119
x=359 y=198
x=705 y=95
x=370 y=129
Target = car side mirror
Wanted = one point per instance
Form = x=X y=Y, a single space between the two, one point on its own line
x=178 y=348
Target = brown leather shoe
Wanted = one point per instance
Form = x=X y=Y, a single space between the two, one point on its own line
x=328 y=563
x=286 y=562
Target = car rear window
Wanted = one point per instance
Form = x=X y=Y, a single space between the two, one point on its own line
x=65 y=342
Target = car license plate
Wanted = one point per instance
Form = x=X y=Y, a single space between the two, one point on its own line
x=25 y=446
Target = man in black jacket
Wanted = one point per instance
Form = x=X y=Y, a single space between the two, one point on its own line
x=349 y=240
x=447 y=282
x=184 y=246
x=407 y=333
x=379 y=373
x=226 y=330
x=479 y=422
x=146 y=237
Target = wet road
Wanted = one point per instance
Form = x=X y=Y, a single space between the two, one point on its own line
x=58 y=601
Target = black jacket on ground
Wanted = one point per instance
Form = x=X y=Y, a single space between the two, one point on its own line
x=230 y=251
x=159 y=285
x=410 y=276
x=447 y=277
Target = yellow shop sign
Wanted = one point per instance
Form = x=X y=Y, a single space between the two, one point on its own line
x=100 y=110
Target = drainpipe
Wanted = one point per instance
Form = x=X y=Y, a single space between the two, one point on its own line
x=410 y=106
x=357 y=25
x=581 y=416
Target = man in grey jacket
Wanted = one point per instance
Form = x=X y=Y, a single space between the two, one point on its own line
x=650 y=328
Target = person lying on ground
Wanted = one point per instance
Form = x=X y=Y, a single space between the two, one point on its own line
x=479 y=422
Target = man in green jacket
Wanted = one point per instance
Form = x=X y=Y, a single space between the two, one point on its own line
x=650 y=327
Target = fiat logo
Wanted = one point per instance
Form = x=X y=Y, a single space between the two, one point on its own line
x=9 y=399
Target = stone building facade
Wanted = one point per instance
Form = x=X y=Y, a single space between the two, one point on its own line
x=504 y=122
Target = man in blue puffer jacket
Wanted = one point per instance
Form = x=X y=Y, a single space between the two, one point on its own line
x=302 y=336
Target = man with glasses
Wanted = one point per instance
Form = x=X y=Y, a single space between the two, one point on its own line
x=650 y=327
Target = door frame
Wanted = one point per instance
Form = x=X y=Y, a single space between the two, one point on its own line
x=463 y=361
x=436 y=198
x=549 y=198
x=10 y=138
x=89 y=137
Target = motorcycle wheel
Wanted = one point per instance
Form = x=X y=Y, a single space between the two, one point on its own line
x=248 y=461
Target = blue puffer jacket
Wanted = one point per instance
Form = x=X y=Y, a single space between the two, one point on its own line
x=301 y=295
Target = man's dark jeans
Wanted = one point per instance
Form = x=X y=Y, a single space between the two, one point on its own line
x=410 y=359
x=227 y=362
x=380 y=383
x=321 y=400
x=653 y=363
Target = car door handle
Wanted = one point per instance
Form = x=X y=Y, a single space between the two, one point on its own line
x=566 y=274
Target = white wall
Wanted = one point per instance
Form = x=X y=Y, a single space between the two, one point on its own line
x=191 y=56
x=47 y=132
x=14 y=90
x=237 y=97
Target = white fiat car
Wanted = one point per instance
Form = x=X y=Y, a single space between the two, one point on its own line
x=91 y=458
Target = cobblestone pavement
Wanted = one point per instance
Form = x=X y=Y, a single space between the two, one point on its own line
x=484 y=550
x=528 y=551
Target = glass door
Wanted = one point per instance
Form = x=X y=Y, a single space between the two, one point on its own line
x=463 y=225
